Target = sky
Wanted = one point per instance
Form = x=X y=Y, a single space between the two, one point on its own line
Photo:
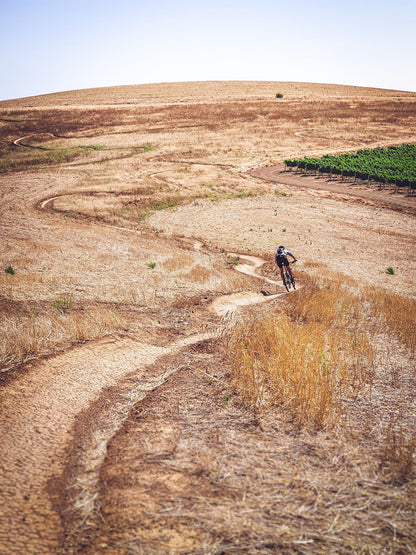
x=51 y=46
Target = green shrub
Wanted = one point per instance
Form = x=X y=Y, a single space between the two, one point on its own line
x=10 y=270
x=63 y=303
x=147 y=147
x=279 y=95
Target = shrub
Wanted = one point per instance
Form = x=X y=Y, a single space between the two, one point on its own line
x=63 y=303
x=279 y=95
x=10 y=270
x=390 y=271
x=147 y=147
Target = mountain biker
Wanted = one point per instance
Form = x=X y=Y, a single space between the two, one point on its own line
x=281 y=260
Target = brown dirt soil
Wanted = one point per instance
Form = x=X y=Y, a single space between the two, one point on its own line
x=373 y=195
x=191 y=472
x=120 y=431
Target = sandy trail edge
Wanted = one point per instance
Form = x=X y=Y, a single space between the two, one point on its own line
x=39 y=409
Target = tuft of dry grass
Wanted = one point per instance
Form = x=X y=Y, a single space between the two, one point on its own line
x=28 y=336
x=398 y=312
x=302 y=368
x=305 y=358
x=397 y=451
x=322 y=360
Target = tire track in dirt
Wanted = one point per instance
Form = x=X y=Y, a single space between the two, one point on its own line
x=226 y=305
x=37 y=414
x=17 y=142
x=38 y=411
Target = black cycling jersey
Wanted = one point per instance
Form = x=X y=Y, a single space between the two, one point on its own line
x=281 y=257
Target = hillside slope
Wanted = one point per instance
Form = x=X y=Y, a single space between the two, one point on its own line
x=118 y=213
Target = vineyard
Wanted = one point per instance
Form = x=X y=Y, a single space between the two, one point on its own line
x=395 y=165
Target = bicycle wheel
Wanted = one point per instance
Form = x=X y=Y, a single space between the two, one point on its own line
x=286 y=280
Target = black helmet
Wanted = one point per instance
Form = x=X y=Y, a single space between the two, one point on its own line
x=281 y=248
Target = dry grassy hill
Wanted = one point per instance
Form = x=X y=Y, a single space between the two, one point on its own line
x=137 y=419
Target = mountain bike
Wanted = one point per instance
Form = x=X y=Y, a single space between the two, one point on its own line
x=288 y=280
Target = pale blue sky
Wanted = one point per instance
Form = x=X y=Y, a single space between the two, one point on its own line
x=49 y=46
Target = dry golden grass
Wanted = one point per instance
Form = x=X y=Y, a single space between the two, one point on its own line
x=194 y=92
x=397 y=451
x=226 y=124
x=320 y=357
x=50 y=305
x=27 y=336
x=306 y=357
x=210 y=480
x=117 y=208
x=317 y=348
x=398 y=312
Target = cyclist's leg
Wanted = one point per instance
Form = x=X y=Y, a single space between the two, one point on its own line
x=280 y=266
x=286 y=263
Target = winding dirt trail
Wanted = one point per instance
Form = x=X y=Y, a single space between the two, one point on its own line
x=227 y=304
x=40 y=407
x=19 y=141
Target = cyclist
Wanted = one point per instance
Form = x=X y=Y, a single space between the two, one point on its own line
x=281 y=260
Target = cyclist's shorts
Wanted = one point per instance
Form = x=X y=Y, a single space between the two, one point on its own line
x=282 y=261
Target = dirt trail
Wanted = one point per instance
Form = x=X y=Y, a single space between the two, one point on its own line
x=226 y=305
x=366 y=194
x=39 y=409
x=18 y=142
x=37 y=414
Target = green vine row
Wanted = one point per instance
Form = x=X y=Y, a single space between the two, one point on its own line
x=393 y=165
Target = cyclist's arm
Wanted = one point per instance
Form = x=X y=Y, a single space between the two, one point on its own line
x=294 y=259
